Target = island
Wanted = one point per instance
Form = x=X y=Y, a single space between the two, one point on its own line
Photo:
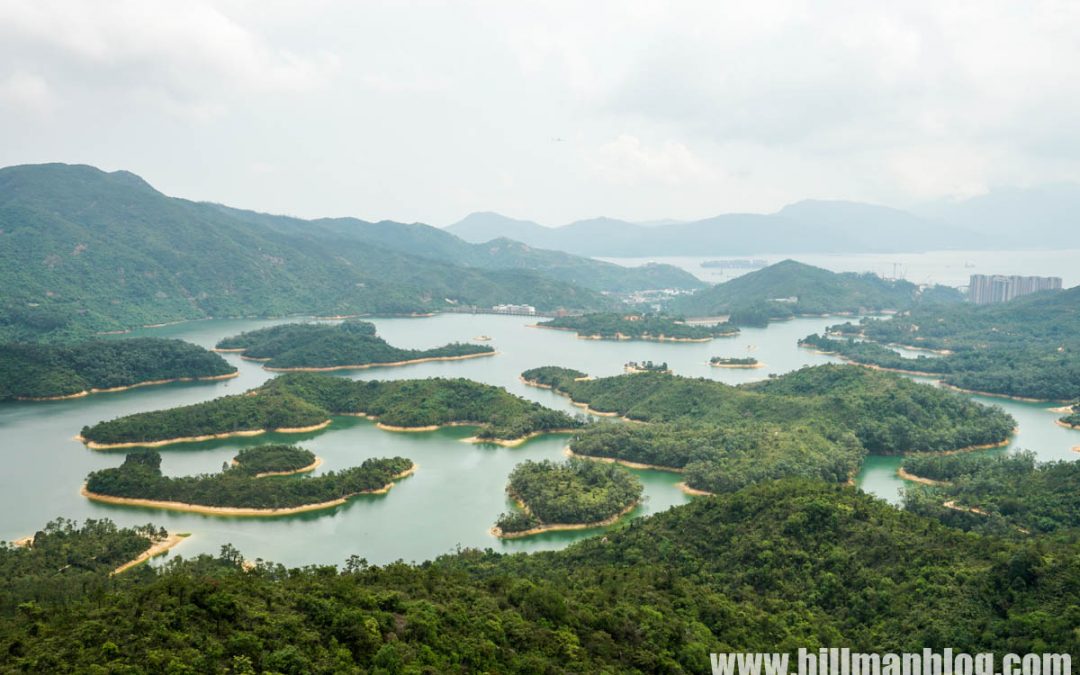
x=303 y=402
x=996 y=494
x=36 y=372
x=1024 y=349
x=817 y=422
x=569 y=495
x=275 y=460
x=646 y=367
x=1071 y=421
x=735 y=362
x=345 y=346
x=656 y=327
x=240 y=490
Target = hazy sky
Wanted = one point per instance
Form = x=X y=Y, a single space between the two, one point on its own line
x=546 y=110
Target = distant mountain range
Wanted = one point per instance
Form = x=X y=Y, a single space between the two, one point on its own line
x=1013 y=218
x=85 y=251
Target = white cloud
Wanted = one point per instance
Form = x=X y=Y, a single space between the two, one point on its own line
x=626 y=161
x=26 y=93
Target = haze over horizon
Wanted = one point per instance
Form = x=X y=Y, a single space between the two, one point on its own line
x=641 y=112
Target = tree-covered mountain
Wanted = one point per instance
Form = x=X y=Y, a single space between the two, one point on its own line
x=82 y=250
x=770 y=568
x=789 y=288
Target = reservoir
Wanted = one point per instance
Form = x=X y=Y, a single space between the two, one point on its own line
x=458 y=491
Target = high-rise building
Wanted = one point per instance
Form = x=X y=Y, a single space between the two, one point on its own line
x=984 y=289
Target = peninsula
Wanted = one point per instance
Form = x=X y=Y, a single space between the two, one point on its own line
x=655 y=327
x=326 y=347
x=571 y=495
x=30 y=371
x=298 y=402
x=240 y=490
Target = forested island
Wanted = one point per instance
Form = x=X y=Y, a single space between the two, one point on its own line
x=791 y=288
x=575 y=494
x=238 y=490
x=815 y=422
x=1026 y=348
x=735 y=362
x=308 y=401
x=646 y=367
x=351 y=344
x=614 y=326
x=47 y=371
x=996 y=494
x=1071 y=420
x=659 y=595
x=274 y=460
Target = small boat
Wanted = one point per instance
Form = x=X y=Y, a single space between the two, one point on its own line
x=482 y=338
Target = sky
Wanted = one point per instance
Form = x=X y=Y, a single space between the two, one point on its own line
x=552 y=111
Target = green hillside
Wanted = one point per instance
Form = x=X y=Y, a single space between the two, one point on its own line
x=83 y=251
x=789 y=288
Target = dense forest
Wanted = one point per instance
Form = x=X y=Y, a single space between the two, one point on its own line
x=351 y=343
x=139 y=477
x=997 y=494
x=567 y=493
x=272 y=459
x=1072 y=420
x=614 y=326
x=888 y=413
x=1026 y=347
x=734 y=361
x=306 y=399
x=790 y=288
x=41 y=371
x=773 y=567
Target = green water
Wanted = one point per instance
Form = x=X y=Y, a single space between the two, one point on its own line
x=458 y=491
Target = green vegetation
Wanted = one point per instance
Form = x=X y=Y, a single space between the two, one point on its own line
x=273 y=459
x=44 y=371
x=575 y=492
x=352 y=343
x=613 y=326
x=139 y=477
x=744 y=362
x=1072 y=420
x=1026 y=347
x=791 y=288
x=774 y=567
x=307 y=399
x=874 y=354
x=999 y=493
x=646 y=367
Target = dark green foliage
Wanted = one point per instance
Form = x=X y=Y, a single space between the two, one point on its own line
x=874 y=354
x=648 y=366
x=612 y=326
x=273 y=459
x=552 y=376
x=64 y=562
x=40 y=371
x=1027 y=347
x=733 y=361
x=949 y=467
x=352 y=343
x=572 y=492
x=774 y=567
x=1010 y=491
x=725 y=458
x=1072 y=420
x=790 y=287
x=306 y=399
x=139 y=477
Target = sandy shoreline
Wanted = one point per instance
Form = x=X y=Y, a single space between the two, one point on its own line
x=918 y=479
x=694 y=492
x=970 y=448
x=515 y=442
x=625 y=462
x=1066 y=425
x=304 y=469
x=388 y=364
x=555 y=527
x=148 y=383
x=583 y=406
x=1063 y=410
x=737 y=365
x=94 y=445
x=241 y=511
x=1022 y=399
x=156 y=549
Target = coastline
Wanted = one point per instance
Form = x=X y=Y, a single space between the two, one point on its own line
x=970 y=448
x=241 y=511
x=147 y=383
x=515 y=442
x=625 y=462
x=1066 y=426
x=1022 y=399
x=304 y=469
x=737 y=365
x=555 y=527
x=919 y=479
x=156 y=549
x=621 y=337
x=388 y=364
x=1063 y=410
x=693 y=492
x=94 y=445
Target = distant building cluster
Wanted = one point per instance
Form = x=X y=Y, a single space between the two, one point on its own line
x=514 y=309
x=984 y=289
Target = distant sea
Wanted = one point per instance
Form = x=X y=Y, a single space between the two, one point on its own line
x=950 y=268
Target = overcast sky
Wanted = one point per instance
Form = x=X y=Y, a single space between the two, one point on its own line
x=549 y=111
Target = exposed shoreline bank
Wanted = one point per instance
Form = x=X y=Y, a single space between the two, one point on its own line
x=156 y=549
x=304 y=469
x=94 y=445
x=147 y=383
x=388 y=364
x=625 y=462
x=556 y=527
x=919 y=479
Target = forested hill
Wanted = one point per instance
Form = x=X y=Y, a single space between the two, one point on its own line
x=772 y=567
x=82 y=250
x=789 y=287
